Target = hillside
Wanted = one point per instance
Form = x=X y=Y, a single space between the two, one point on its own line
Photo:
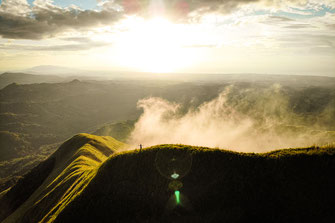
x=13 y=145
x=44 y=115
x=219 y=186
x=50 y=186
x=120 y=131
x=174 y=183
x=48 y=113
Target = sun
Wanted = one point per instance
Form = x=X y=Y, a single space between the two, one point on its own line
x=154 y=45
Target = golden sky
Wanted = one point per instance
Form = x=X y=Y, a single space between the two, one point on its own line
x=194 y=36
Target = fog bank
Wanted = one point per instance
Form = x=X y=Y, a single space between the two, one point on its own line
x=248 y=120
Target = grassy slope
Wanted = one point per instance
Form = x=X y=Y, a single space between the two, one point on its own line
x=293 y=185
x=49 y=187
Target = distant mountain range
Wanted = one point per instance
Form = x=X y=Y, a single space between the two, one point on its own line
x=23 y=78
x=53 y=70
x=202 y=77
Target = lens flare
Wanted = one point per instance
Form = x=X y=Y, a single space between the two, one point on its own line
x=177 y=194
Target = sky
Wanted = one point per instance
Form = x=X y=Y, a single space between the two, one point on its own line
x=159 y=36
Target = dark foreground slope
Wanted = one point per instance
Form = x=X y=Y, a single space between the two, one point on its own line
x=219 y=186
x=173 y=183
x=48 y=188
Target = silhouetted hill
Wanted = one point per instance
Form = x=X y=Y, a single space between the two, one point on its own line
x=221 y=186
x=23 y=78
x=173 y=183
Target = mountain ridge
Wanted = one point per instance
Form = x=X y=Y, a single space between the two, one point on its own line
x=92 y=179
x=69 y=168
x=8 y=78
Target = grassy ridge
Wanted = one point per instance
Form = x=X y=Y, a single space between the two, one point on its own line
x=58 y=180
x=81 y=184
x=291 y=185
x=16 y=196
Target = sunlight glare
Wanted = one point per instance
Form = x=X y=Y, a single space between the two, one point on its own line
x=154 y=45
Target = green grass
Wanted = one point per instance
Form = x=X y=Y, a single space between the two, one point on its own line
x=58 y=180
x=91 y=182
x=221 y=186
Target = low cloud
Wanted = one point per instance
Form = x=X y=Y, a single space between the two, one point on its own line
x=247 y=120
x=299 y=26
x=77 y=44
x=275 y=20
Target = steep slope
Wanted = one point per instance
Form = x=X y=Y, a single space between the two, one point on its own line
x=173 y=183
x=293 y=185
x=48 y=188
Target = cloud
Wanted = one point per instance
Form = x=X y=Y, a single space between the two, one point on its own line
x=19 y=20
x=44 y=19
x=276 y=19
x=325 y=50
x=331 y=26
x=177 y=9
x=249 y=120
x=78 y=44
x=18 y=7
x=183 y=8
x=299 y=26
x=308 y=40
x=77 y=39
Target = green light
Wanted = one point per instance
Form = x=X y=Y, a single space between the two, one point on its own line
x=177 y=193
